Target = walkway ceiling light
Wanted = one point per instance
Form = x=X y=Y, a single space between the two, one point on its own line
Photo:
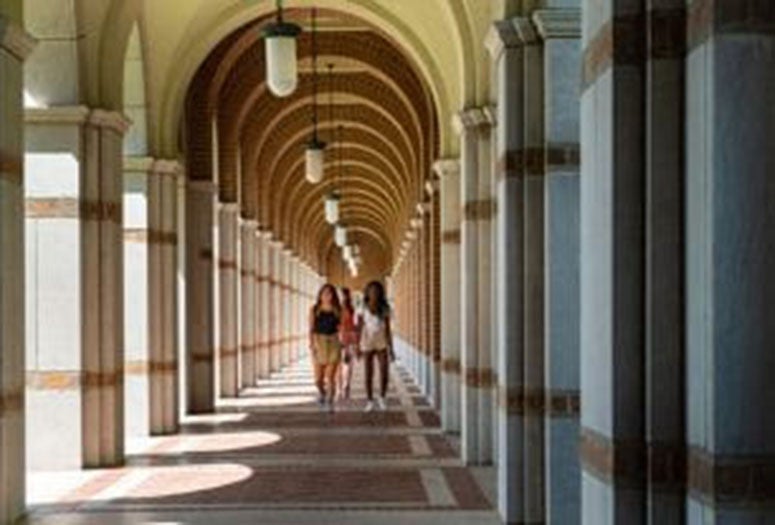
x=315 y=157
x=282 y=68
x=340 y=235
x=332 y=207
x=347 y=251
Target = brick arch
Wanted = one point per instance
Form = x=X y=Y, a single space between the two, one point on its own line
x=360 y=115
x=358 y=88
x=360 y=208
x=294 y=182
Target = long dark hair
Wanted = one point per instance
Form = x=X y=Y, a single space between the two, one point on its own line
x=347 y=300
x=382 y=308
x=335 y=304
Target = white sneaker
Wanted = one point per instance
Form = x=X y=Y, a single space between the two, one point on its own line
x=382 y=404
x=369 y=406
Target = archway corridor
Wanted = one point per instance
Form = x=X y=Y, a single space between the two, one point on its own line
x=569 y=203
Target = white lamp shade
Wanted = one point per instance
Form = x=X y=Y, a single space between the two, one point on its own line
x=340 y=235
x=314 y=164
x=281 y=65
x=347 y=251
x=332 y=209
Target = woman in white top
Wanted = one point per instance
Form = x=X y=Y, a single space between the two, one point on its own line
x=376 y=341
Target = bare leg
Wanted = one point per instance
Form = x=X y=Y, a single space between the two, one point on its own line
x=320 y=379
x=368 y=358
x=331 y=370
x=384 y=373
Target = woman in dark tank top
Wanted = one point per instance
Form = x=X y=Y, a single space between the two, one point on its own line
x=325 y=318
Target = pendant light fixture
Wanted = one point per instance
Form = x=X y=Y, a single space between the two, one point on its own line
x=315 y=154
x=340 y=234
x=333 y=199
x=282 y=68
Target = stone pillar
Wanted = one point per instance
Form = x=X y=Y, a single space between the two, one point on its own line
x=560 y=30
x=139 y=321
x=200 y=314
x=730 y=288
x=533 y=253
x=448 y=171
x=75 y=369
x=423 y=283
x=264 y=327
x=434 y=316
x=247 y=303
x=15 y=46
x=294 y=292
x=474 y=126
x=275 y=310
x=165 y=385
x=228 y=300
x=287 y=326
x=508 y=59
x=612 y=263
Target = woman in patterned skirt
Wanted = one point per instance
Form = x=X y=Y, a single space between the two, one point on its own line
x=324 y=322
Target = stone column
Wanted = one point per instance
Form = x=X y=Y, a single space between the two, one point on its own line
x=200 y=314
x=448 y=171
x=533 y=180
x=264 y=312
x=294 y=287
x=508 y=59
x=140 y=259
x=730 y=288
x=228 y=302
x=77 y=353
x=434 y=316
x=560 y=30
x=478 y=209
x=422 y=300
x=275 y=310
x=612 y=263
x=150 y=305
x=247 y=303
x=15 y=46
x=285 y=283
x=165 y=385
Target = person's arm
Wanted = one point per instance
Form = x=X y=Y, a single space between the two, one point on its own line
x=389 y=337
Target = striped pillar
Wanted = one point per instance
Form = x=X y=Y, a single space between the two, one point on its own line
x=264 y=292
x=730 y=289
x=275 y=307
x=560 y=30
x=200 y=314
x=228 y=299
x=247 y=315
x=15 y=46
x=612 y=263
x=507 y=52
x=434 y=315
x=474 y=126
x=165 y=384
x=150 y=302
x=448 y=171
x=75 y=219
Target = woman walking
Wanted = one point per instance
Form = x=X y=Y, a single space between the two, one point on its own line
x=349 y=339
x=376 y=341
x=324 y=322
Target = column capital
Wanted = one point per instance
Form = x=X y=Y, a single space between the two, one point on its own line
x=473 y=118
x=264 y=235
x=113 y=120
x=138 y=164
x=502 y=35
x=167 y=167
x=15 y=40
x=202 y=186
x=228 y=207
x=446 y=167
x=248 y=224
x=528 y=34
x=558 y=23
x=57 y=115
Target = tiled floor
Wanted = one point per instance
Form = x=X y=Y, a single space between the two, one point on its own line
x=272 y=456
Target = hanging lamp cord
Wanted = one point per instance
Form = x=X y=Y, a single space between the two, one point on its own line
x=314 y=77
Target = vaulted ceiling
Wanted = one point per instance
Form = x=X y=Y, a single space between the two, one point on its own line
x=376 y=113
